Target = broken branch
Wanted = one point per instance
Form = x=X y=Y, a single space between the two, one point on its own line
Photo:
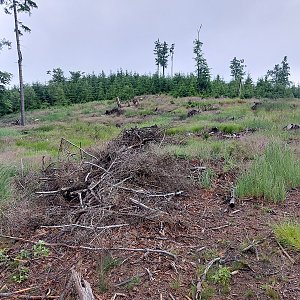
x=144 y=250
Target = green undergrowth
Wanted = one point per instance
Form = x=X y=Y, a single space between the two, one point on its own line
x=6 y=175
x=55 y=115
x=271 y=174
x=288 y=233
x=201 y=127
x=8 y=132
x=161 y=121
x=277 y=105
x=255 y=122
x=139 y=112
x=193 y=148
x=185 y=128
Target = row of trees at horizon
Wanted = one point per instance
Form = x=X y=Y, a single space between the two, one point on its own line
x=80 y=88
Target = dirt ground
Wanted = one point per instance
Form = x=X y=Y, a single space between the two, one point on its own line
x=198 y=229
x=171 y=239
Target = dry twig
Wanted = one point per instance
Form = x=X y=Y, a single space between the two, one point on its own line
x=285 y=253
x=144 y=250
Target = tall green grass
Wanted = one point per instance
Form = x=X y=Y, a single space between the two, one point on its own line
x=288 y=233
x=6 y=174
x=202 y=149
x=271 y=174
x=8 y=132
x=61 y=114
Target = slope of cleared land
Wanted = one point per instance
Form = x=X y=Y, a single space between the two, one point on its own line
x=152 y=201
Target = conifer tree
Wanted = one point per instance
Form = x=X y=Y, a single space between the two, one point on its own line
x=164 y=57
x=202 y=70
x=157 y=53
x=237 y=68
x=280 y=74
x=248 y=88
x=161 y=52
x=57 y=75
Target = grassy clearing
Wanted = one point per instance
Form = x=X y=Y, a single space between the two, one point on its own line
x=271 y=174
x=288 y=233
x=228 y=115
x=46 y=138
x=54 y=115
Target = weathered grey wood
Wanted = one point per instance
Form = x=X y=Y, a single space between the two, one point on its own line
x=83 y=288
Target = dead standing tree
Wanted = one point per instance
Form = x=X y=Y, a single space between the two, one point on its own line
x=14 y=6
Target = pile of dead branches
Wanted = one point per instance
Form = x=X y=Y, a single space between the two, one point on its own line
x=138 y=137
x=122 y=185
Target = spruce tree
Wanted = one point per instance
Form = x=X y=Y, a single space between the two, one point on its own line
x=280 y=74
x=237 y=68
x=164 y=57
x=161 y=52
x=248 y=88
x=202 y=70
x=157 y=52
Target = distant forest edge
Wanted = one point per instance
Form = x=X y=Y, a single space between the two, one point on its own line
x=81 y=88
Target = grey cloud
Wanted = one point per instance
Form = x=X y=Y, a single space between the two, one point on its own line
x=106 y=35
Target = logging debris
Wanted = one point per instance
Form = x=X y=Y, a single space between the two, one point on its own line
x=122 y=185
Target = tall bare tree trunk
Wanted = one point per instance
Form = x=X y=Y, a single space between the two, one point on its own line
x=240 y=88
x=172 y=66
x=20 y=59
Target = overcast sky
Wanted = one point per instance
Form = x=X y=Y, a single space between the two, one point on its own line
x=96 y=35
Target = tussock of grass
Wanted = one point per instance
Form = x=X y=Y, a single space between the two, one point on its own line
x=8 y=132
x=231 y=128
x=162 y=121
x=37 y=145
x=139 y=112
x=288 y=233
x=46 y=128
x=258 y=123
x=271 y=174
x=6 y=174
x=57 y=115
x=276 y=105
x=194 y=128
